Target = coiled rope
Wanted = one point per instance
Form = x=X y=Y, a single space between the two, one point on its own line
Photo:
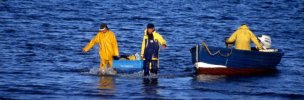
x=217 y=52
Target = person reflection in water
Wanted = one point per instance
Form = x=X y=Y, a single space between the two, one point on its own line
x=106 y=82
x=150 y=85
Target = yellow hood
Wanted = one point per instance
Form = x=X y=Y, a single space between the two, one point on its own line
x=244 y=27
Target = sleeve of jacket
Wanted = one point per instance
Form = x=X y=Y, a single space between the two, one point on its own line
x=91 y=43
x=232 y=38
x=255 y=40
x=115 y=45
x=142 y=47
x=161 y=40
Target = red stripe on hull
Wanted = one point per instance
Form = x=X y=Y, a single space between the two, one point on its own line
x=234 y=71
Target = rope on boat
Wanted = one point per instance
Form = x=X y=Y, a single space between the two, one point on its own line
x=196 y=50
x=217 y=52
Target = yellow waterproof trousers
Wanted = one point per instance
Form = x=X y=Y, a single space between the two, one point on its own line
x=105 y=63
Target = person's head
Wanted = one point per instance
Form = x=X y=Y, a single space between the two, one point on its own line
x=150 y=28
x=103 y=28
x=244 y=26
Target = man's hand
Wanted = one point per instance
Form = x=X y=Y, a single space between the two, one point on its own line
x=83 y=50
x=225 y=40
x=164 y=46
x=153 y=56
x=260 y=48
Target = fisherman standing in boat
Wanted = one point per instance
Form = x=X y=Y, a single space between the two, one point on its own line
x=150 y=49
x=108 y=47
x=242 y=38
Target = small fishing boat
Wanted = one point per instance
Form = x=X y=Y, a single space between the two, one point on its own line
x=230 y=61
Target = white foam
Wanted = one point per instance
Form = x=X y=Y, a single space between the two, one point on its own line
x=96 y=71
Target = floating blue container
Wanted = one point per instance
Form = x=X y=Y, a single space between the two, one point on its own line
x=128 y=65
x=230 y=61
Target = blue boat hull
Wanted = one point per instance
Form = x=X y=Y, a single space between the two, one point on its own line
x=232 y=61
x=128 y=65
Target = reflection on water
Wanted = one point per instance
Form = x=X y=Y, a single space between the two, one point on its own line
x=208 y=78
x=150 y=85
x=106 y=82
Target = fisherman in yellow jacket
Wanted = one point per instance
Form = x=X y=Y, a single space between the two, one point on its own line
x=108 y=47
x=150 y=49
x=242 y=38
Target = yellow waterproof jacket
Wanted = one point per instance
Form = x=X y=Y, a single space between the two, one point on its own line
x=156 y=36
x=108 y=46
x=242 y=37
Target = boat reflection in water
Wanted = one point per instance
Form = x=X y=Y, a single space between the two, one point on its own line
x=208 y=78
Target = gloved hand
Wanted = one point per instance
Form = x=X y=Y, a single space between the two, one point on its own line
x=115 y=57
x=228 y=44
x=225 y=39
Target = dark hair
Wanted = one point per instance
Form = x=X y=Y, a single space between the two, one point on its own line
x=150 y=25
x=104 y=25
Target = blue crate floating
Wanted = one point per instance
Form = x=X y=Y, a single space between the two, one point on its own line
x=128 y=65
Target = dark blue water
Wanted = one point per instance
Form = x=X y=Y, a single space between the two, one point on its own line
x=41 y=42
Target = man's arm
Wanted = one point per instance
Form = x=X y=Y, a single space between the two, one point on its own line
x=115 y=45
x=232 y=38
x=255 y=40
x=91 y=44
x=142 y=47
x=161 y=40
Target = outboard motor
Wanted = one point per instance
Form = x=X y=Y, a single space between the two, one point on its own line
x=265 y=41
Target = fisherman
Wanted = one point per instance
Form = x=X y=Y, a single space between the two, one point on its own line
x=108 y=47
x=150 y=49
x=242 y=37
